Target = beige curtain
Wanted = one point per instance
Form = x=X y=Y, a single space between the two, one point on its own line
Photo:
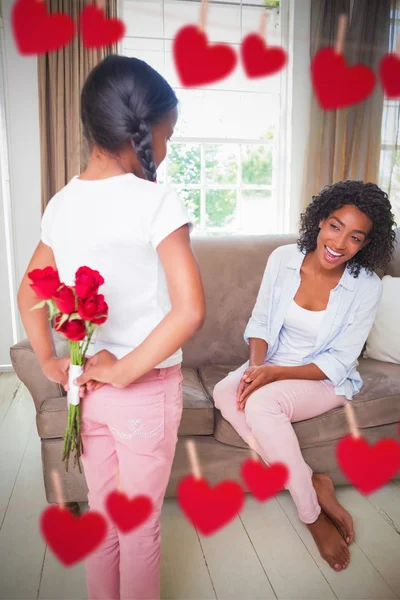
x=61 y=77
x=345 y=143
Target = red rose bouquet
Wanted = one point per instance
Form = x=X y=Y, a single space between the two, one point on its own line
x=75 y=311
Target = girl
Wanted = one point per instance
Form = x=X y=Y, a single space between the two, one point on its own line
x=314 y=310
x=113 y=218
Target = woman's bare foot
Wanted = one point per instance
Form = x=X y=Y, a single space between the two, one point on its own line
x=340 y=517
x=330 y=543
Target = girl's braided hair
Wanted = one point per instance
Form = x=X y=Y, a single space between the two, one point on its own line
x=121 y=100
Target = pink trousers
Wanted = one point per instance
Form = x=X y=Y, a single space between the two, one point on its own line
x=130 y=434
x=267 y=419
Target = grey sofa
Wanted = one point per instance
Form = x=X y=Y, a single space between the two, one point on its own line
x=232 y=269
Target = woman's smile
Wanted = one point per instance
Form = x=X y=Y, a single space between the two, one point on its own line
x=331 y=256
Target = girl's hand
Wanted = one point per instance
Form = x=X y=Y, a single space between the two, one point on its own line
x=56 y=370
x=259 y=377
x=91 y=385
x=97 y=370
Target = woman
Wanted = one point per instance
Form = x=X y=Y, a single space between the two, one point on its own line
x=314 y=310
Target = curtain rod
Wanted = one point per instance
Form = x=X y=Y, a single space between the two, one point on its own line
x=221 y=3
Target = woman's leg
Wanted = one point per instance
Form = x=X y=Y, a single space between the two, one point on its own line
x=268 y=414
x=225 y=394
x=341 y=518
x=100 y=463
x=144 y=420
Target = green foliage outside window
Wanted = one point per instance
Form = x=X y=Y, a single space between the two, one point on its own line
x=257 y=165
x=184 y=163
x=221 y=207
x=221 y=168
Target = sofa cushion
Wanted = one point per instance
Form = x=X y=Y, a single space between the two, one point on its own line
x=231 y=268
x=27 y=368
x=393 y=268
x=198 y=409
x=383 y=340
x=197 y=416
x=377 y=404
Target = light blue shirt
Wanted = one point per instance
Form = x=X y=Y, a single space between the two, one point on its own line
x=348 y=318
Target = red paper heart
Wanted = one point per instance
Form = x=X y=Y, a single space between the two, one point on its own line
x=98 y=31
x=337 y=85
x=128 y=514
x=264 y=481
x=199 y=63
x=72 y=538
x=368 y=467
x=36 y=31
x=259 y=59
x=209 y=508
x=389 y=71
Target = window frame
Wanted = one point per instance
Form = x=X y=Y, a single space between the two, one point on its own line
x=385 y=147
x=239 y=186
x=280 y=184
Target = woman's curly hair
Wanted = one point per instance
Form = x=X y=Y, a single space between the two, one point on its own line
x=372 y=201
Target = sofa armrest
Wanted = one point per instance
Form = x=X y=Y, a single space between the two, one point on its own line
x=27 y=368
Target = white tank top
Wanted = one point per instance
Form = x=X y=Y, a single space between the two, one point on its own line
x=114 y=226
x=298 y=335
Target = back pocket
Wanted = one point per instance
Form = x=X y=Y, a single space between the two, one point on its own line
x=139 y=421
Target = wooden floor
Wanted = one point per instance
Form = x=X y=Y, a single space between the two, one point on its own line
x=265 y=553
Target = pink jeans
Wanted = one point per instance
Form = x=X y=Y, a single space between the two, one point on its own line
x=130 y=434
x=267 y=419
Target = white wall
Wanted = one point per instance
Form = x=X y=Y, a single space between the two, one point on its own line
x=8 y=332
x=22 y=122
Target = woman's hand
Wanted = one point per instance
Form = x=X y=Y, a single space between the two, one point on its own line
x=254 y=378
x=97 y=370
x=243 y=383
x=56 y=370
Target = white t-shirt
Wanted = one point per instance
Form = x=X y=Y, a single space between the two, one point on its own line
x=298 y=335
x=114 y=226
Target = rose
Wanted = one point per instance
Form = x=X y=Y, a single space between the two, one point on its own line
x=74 y=330
x=93 y=309
x=45 y=282
x=102 y=317
x=85 y=302
x=64 y=299
x=87 y=282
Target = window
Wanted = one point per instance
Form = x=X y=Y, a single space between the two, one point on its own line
x=223 y=158
x=389 y=172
